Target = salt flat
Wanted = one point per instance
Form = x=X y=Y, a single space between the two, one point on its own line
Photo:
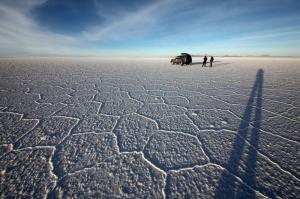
x=143 y=128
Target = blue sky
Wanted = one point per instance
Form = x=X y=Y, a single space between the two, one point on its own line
x=149 y=28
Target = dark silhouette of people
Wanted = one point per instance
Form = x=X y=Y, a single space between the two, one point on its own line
x=204 y=61
x=211 y=61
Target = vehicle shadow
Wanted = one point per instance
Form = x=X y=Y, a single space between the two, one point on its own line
x=215 y=63
x=227 y=183
x=197 y=63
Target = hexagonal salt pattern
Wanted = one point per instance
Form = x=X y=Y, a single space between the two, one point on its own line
x=133 y=132
x=49 y=132
x=26 y=174
x=122 y=176
x=186 y=184
x=84 y=150
x=13 y=127
x=174 y=150
x=142 y=128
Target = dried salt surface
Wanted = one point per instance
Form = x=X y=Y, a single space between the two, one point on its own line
x=142 y=128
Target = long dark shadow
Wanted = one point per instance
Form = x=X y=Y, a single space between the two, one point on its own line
x=226 y=187
x=216 y=63
x=197 y=63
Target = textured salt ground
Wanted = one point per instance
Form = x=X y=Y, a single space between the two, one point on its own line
x=142 y=128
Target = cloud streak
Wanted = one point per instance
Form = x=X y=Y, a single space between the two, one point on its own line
x=19 y=34
x=166 y=26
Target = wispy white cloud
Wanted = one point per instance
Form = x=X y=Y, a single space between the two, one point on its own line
x=263 y=35
x=130 y=23
x=19 y=34
x=160 y=25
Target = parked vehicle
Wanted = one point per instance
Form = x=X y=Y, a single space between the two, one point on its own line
x=183 y=58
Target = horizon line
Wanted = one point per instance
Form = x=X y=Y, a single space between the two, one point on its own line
x=142 y=56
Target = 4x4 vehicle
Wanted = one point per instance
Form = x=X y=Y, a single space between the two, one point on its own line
x=182 y=59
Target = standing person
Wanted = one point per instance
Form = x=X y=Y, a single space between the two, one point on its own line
x=204 y=61
x=211 y=61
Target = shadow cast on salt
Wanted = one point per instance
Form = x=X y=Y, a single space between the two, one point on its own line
x=227 y=183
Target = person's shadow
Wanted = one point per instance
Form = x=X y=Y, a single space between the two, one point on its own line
x=227 y=183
